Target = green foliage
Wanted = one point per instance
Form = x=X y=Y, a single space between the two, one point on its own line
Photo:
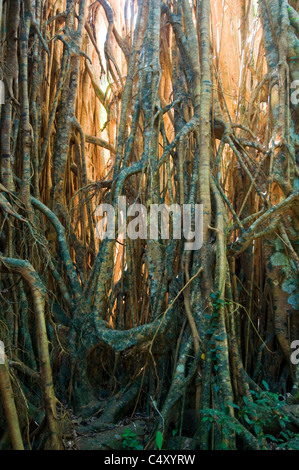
x=159 y=440
x=256 y=415
x=217 y=303
x=130 y=441
x=260 y=413
x=215 y=348
x=220 y=417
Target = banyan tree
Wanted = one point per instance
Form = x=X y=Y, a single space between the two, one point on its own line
x=156 y=102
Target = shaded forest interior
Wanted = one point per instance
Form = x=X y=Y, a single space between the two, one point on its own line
x=160 y=102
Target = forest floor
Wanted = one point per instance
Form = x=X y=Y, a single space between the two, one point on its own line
x=91 y=434
x=130 y=433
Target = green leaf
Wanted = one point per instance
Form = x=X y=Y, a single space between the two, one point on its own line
x=266 y=385
x=257 y=429
x=248 y=420
x=159 y=440
x=282 y=423
x=234 y=405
